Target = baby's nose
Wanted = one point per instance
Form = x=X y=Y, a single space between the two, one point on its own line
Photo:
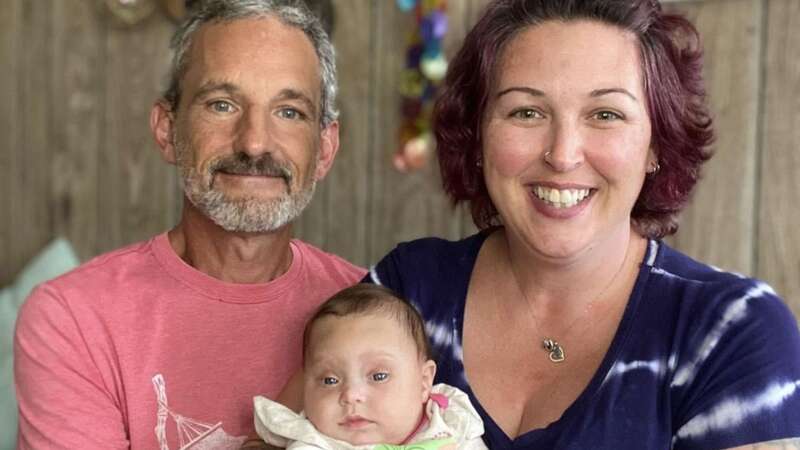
x=352 y=393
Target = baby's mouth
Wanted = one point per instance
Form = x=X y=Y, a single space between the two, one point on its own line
x=355 y=421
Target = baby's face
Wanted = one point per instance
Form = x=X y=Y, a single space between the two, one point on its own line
x=365 y=382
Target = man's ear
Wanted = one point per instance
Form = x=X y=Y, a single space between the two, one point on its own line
x=328 y=147
x=162 y=125
x=428 y=373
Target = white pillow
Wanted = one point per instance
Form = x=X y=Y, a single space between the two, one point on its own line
x=57 y=258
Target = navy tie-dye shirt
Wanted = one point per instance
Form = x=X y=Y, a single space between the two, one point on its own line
x=702 y=359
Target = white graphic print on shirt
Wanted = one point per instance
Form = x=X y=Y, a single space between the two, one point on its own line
x=191 y=433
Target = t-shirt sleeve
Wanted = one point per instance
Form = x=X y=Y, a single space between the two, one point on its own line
x=64 y=401
x=737 y=379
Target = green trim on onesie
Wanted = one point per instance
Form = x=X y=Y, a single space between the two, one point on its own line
x=434 y=444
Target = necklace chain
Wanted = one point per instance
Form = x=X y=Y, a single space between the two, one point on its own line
x=555 y=351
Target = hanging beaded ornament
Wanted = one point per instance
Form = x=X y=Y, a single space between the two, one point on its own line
x=424 y=70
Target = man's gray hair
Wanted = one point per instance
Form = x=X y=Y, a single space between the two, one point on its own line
x=293 y=13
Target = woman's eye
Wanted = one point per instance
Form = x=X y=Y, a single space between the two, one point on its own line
x=221 y=106
x=380 y=376
x=330 y=381
x=526 y=114
x=606 y=116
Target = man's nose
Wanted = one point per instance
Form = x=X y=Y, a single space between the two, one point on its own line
x=565 y=149
x=253 y=133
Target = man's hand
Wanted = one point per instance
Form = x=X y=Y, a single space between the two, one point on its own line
x=256 y=443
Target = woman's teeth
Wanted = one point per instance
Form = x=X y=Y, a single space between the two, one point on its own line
x=561 y=198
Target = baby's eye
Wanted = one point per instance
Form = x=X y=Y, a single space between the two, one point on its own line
x=330 y=381
x=380 y=376
x=221 y=106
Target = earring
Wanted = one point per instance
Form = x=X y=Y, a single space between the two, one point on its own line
x=479 y=163
x=654 y=168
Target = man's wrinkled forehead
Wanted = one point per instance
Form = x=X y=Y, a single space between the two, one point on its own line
x=264 y=47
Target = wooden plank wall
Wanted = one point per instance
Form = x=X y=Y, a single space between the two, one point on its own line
x=778 y=253
x=743 y=216
x=77 y=158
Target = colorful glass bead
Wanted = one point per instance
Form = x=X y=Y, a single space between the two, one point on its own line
x=434 y=68
x=406 y=5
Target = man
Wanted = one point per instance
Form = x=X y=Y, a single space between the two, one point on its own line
x=164 y=343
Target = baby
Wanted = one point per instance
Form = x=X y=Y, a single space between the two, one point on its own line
x=368 y=379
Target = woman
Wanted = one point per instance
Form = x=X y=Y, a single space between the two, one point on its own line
x=575 y=130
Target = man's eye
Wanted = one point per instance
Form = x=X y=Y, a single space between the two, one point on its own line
x=221 y=106
x=291 y=114
x=330 y=381
x=380 y=376
x=607 y=116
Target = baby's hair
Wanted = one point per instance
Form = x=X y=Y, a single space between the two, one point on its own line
x=366 y=298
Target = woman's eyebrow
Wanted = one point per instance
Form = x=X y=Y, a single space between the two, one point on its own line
x=523 y=89
x=601 y=92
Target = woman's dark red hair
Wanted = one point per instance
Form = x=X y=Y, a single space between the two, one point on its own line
x=671 y=60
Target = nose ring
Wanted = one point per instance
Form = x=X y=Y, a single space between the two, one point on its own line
x=547 y=155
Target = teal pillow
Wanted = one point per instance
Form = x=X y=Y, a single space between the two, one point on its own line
x=57 y=258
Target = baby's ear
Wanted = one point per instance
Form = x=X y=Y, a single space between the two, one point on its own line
x=428 y=373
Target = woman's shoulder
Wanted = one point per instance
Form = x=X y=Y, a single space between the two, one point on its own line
x=431 y=255
x=715 y=301
x=727 y=331
x=710 y=307
x=423 y=268
x=440 y=248
x=671 y=262
x=674 y=270
x=724 y=346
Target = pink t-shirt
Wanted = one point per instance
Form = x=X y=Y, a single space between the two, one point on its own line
x=137 y=349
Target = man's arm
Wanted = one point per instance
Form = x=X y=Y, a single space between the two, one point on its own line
x=292 y=397
x=292 y=394
x=255 y=443
x=65 y=402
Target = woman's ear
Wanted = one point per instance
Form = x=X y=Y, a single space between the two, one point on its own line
x=652 y=160
x=428 y=373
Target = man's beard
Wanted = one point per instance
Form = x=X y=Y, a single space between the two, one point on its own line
x=245 y=214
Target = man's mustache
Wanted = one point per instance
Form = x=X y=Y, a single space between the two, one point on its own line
x=240 y=163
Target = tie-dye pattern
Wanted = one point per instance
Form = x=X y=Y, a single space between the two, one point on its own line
x=702 y=359
x=735 y=312
x=734 y=412
x=621 y=368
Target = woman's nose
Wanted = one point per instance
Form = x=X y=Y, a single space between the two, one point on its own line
x=565 y=150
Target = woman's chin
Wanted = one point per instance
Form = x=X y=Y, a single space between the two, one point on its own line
x=565 y=251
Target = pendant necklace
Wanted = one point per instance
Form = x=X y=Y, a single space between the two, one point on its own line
x=555 y=351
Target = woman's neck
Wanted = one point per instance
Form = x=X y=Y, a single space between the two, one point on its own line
x=556 y=287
